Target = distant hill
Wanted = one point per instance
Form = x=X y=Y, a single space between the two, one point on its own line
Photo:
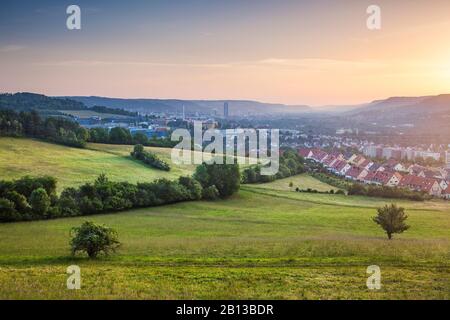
x=25 y=101
x=402 y=108
x=236 y=107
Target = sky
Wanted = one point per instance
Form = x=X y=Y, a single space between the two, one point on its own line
x=285 y=51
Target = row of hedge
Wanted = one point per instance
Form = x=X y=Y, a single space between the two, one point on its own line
x=387 y=192
x=119 y=135
x=54 y=129
x=290 y=164
x=35 y=198
x=309 y=190
x=149 y=158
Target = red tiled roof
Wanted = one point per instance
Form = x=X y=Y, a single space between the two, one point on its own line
x=447 y=191
x=382 y=177
x=329 y=160
x=339 y=165
x=304 y=152
x=417 y=183
x=353 y=172
x=318 y=154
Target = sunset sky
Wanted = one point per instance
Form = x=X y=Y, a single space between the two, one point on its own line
x=295 y=52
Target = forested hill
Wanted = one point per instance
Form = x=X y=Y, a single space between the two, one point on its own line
x=24 y=101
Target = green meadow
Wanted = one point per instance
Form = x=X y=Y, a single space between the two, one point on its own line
x=266 y=242
x=73 y=167
x=301 y=181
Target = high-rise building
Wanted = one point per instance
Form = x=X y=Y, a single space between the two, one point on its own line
x=225 y=110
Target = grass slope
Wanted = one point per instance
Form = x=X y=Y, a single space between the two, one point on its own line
x=274 y=245
x=301 y=181
x=72 y=166
x=266 y=242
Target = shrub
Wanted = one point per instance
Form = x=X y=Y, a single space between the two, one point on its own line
x=210 y=193
x=93 y=239
x=357 y=189
x=119 y=135
x=40 y=202
x=68 y=203
x=19 y=200
x=140 y=138
x=193 y=186
x=391 y=219
x=290 y=164
x=7 y=211
x=225 y=177
x=90 y=205
x=149 y=158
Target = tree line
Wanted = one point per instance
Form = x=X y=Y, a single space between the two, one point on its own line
x=291 y=163
x=31 y=124
x=68 y=132
x=119 y=135
x=149 y=158
x=386 y=192
x=30 y=198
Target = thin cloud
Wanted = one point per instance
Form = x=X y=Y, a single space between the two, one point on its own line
x=310 y=63
x=94 y=63
x=11 y=48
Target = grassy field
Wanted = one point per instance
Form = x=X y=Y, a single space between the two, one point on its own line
x=73 y=166
x=266 y=242
x=299 y=249
x=301 y=181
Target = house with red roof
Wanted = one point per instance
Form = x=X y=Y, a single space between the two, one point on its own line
x=305 y=153
x=446 y=193
x=328 y=160
x=443 y=184
x=337 y=166
x=353 y=173
x=318 y=155
x=394 y=165
x=368 y=178
x=384 y=178
x=430 y=186
x=345 y=168
x=416 y=170
x=367 y=164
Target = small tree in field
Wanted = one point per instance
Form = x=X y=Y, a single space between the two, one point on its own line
x=392 y=219
x=93 y=238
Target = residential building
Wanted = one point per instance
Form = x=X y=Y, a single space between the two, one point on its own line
x=447 y=159
x=446 y=193
x=430 y=186
x=225 y=110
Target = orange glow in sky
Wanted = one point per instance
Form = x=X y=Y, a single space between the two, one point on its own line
x=273 y=51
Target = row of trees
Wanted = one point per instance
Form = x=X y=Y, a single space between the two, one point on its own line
x=119 y=135
x=67 y=132
x=31 y=124
x=149 y=158
x=28 y=199
x=386 y=192
x=290 y=164
x=35 y=198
